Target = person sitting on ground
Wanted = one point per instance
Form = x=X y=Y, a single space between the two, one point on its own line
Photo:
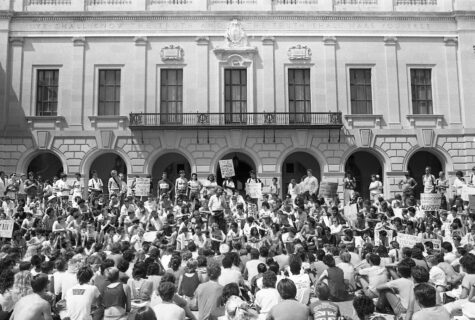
x=167 y=309
x=288 y=308
x=323 y=305
x=32 y=306
x=426 y=297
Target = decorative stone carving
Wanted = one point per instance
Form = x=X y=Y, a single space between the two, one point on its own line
x=299 y=52
x=451 y=41
x=79 y=41
x=428 y=137
x=235 y=35
x=329 y=41
x=43 y=139
x=390 y=41
x=235 y=51
x=173 y=53
x=366 y=136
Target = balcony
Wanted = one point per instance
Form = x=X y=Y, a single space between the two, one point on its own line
x=275 y=120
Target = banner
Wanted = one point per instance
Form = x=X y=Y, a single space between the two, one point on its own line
x=430 y=201
x=142 y=187
x=328 y=189
x=389 y=236
x=227 y=168
x=254 y=190
x=6 y=228
x=406 y=240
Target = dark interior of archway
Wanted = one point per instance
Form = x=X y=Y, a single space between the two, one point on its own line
x=105 y=163
x=171 y=163
x=46 y=165
x=363 y=164
x=295 y=167
x=417 y=164
x=242 y=165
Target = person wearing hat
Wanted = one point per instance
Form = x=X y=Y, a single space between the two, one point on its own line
x=407 y=185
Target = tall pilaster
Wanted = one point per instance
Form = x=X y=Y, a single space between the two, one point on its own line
x=15 y=113
x=75 y=114
x=140 y=73
x=331 y=88
x=392 y=82
x=454 y=111
x=202 y=74
x=268 y=85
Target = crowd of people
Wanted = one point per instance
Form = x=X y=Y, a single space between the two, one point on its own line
x=199 y=250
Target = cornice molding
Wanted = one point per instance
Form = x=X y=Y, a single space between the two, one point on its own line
x=17 y=41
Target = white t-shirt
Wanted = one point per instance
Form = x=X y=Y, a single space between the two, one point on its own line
x=79 y=300
x=267 y=298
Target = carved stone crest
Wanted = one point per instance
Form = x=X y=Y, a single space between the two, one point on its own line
x=172 y=52
x=299 y=52
x=235 y=35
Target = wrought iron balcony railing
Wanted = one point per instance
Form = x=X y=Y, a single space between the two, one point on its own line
x=235 y=120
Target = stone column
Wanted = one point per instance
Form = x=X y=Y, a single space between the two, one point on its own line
x=140 y=74
x=392 y=82
x=3 y=77
x=452 y=80
x=202 y=76
x=75 y=114
x=14 y=111
x=331 y=88
x=268 y=85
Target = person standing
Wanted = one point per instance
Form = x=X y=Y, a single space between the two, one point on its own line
x=310 y=184
x=441 y=186
x=181 y=186
x=3 y=185
x=217 y=204
x=165 y=186
x=194 y=187
x=349 y=185
x=428 y=180
x=459 y=183
x=253 y=180
x=114 y=186
x=274 y=187
x=31 y=187
x=408 y=184
x=78 y=187
x=95 y=186
x=229 y=186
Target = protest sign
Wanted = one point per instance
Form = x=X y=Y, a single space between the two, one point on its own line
x=142 y=187
x=466 y=192
x=227 y=168
x=407 y=240
x=389 y=236
x=436 y=242
x=6 y=228
x=150 y=236
x=265 y=189
x=430 y=201
x=254 y=190
x=328 y=189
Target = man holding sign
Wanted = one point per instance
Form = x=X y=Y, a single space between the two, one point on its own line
x=252 y=186
x=310 y=183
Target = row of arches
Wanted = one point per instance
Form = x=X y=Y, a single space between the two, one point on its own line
x=361 y=163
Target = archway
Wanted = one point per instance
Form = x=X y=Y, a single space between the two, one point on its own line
x=46 y=164
x=362 y=164
x=295 y=167
x=171 y=163
x=104 y=164
x=242 y=165
x=417 y=164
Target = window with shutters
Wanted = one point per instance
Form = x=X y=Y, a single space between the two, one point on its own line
x=47 y=92
x=421 y=90
x=109 y=92
x=360 y=91
x=171 y=96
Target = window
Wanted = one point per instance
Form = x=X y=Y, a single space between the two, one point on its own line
x=360 y=89
x=171 y=95
x=299 y=95
x=47 y=93
x=421 y=89
x=109 y=92
x=235 y=95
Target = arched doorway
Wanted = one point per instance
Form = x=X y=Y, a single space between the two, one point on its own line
x=104 y=164
x=46 y=165
x=242 y=165
x=295 y=167
x=362 y=164
x=171 y=163
x=417 y=164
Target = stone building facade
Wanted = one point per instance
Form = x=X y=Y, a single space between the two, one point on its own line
x=268 y=40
